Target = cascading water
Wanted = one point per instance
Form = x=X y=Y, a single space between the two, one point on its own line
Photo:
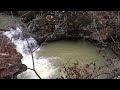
x=23 y=46
x=50 y=59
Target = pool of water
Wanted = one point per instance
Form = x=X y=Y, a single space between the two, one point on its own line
x=52 y=56
x=67 y=53
x=7 y=20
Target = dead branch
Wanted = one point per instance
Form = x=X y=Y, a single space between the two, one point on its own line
x=113 y=39
x=58 y=26
x=32 y=59
x=35 y=72
x=39 y=17
x=95 y=25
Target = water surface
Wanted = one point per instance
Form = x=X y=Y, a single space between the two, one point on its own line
x=50 y=58
x=66 y=53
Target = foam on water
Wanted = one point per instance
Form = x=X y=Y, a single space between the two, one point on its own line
x=42 y=65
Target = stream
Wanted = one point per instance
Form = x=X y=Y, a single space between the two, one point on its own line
x=50 y=58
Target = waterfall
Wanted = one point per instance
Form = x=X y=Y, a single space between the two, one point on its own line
x=42 y=65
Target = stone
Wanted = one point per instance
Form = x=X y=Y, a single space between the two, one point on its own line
x=10 y=61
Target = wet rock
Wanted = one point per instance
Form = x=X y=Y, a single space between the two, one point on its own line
x=73 y=24
x=116 y=73
x=95 y=25
x=117 y=77
x=10 y=61
x=9 y=12
x=116 y=47
x=102 y=35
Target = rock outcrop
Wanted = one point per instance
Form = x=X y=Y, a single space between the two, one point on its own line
x=99 y=26
x=10 y=61
x=116 y=47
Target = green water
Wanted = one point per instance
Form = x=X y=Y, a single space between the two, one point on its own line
x=7 y=20
x=68 y=52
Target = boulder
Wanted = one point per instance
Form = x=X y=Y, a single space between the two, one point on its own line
x=10 y=61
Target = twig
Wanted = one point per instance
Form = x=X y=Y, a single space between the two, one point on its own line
x=113 y=39
x=35 y=72
x=52 y=33
x=32 y=59
x=39 y=17
x=25 y=14
x=95 y=25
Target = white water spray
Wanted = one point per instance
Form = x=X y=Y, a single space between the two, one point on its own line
x=42 y=65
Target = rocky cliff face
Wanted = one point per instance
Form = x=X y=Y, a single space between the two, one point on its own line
x=71 y=24
x=95 y=25
x=10 y=61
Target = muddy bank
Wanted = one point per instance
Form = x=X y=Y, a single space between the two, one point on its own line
x=10 y=61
